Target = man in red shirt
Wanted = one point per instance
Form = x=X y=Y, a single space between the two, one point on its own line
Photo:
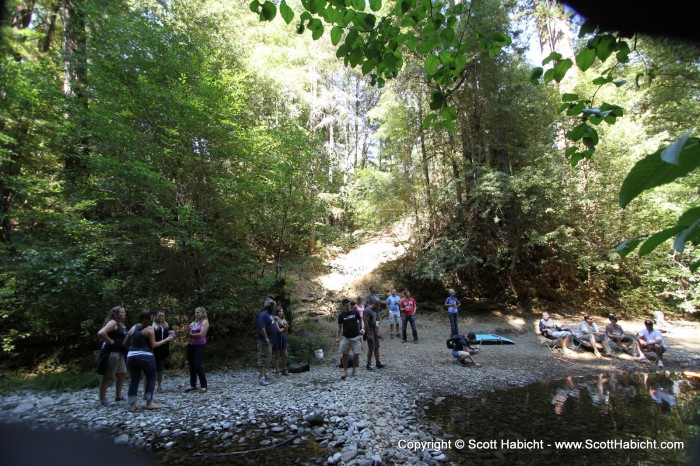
x=408 y=314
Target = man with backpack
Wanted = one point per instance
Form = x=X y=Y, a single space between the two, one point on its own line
x=463 y=349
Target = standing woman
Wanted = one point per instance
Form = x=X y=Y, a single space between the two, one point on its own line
x=282 y=345
x=162 y=329
x=113 y=350
x=142 y=341
x=195 y=349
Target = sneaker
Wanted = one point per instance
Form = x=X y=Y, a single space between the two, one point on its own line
x=463 y=362
x=263 y=381
x=660 y=364
x=381 y=366
x=398 y=335
x=403 y=341
x=121 y=398
x=369 y=367
x=392 y=336
x=105 y=403
x=415 y=341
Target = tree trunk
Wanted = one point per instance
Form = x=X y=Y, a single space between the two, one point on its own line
x=424 y=166
x=74 y=82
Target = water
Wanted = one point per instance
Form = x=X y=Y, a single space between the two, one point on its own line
x=257 y=448
x=616 y=418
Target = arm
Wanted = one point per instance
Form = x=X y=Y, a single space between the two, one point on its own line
x=202 y=331
x=110 y=326
x=152 y=338
x=543 y=328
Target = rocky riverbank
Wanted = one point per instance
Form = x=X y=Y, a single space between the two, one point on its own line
x=315 y=417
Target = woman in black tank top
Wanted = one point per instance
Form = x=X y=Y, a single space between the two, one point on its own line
x=142 y=340
x=113 y=350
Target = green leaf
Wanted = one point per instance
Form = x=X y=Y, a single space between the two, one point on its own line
x=405 y=5
x=552 y=56
x=536 y=74
x=576 y=158
x=268 y=11
x=577 y=132
x=605 y=47
x=431 y=64
x=652 y=171
x=437 y=100
x=368 y=66
x=569 y=97
x=375 y=5
x=672 y=153
x=254 y=6
x=428 y=120
x=446 y=58
x=316 y=27
x=620 y=82
x=336 y=35
x=561 y=68
x=500 y=39
x=286 y=12
x=656 y=239
x=679 y=243
x=549 y=75
x=449 y=113
x=570 y=151
x=585 y=58
x=689 y=217
x=427 y=46
x=627 y=246
x=600 y=80
x=576 y=109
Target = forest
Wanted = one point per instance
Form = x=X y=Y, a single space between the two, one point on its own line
x=166 y=154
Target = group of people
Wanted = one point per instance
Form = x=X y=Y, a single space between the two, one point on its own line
x=648 y=344
x=144 y=350
x=272 y=339
x=359 y=321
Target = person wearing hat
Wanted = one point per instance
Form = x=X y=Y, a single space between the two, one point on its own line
x=650 y=341
x=614 y=333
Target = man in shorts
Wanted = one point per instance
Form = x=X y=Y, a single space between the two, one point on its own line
x=393 y=303
x=370 y=300
x=351 y=327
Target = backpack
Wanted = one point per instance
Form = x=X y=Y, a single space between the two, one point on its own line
x=454 y=343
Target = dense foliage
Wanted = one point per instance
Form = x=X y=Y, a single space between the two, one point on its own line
x=165 y=175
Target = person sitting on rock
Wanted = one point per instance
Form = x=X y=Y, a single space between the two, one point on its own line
x=553 y=331
x=464 y=349
x=591 y=335
x=651 y=342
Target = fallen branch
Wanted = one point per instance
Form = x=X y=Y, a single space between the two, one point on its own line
x=245 y=452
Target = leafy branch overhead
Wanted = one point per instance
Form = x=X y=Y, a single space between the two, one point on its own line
x=376 y=38
x=662 y=167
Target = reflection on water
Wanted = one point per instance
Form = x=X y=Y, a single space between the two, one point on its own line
x=616 y=417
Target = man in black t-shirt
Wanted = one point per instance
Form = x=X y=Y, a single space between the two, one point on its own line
x=351 y=327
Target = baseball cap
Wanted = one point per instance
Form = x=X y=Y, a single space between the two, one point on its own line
x=648 y=322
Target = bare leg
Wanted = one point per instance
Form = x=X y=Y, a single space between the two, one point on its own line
x=355 y=363
x=594 y=345
x=345 y=365
x=104 y=385
x=120 y=383
x=159 y=380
